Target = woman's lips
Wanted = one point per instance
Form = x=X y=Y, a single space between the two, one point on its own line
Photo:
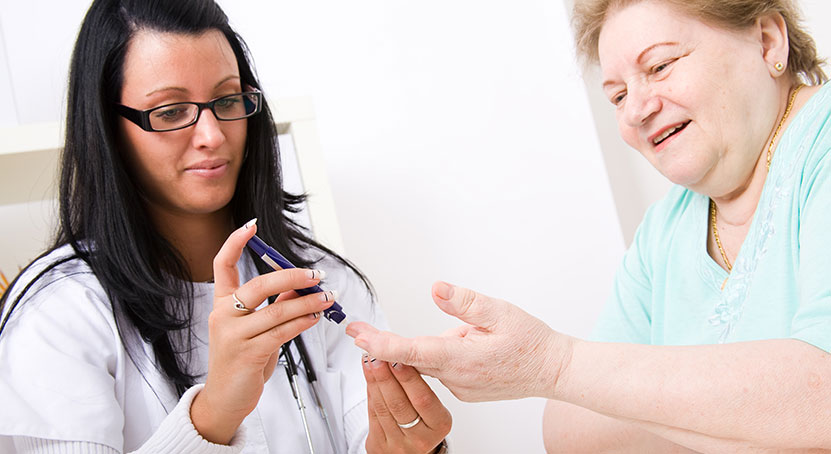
x=667 y=136
x=209 y=169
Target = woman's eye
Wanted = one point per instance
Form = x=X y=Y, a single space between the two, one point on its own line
x=618 y=98
x=227 y=103
x=173 y=113
x=661 y=67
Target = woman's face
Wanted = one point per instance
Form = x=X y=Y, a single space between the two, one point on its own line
x=688 y=96
x=192 y=170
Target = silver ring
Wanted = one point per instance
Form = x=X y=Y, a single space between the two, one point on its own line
x=411 y=423
x=239 y=305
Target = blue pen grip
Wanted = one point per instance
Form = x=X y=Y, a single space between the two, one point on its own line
x=334 y=312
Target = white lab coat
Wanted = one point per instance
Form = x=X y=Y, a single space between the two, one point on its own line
x=65 y=373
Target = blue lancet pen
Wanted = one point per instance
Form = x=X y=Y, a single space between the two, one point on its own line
x=275 y=260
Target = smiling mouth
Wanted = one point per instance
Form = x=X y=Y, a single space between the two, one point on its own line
x=669 y=133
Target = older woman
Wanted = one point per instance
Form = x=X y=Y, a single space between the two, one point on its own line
x=717 y=334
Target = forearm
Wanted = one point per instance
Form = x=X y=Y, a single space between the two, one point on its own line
x=763 y=393
x=572 y=429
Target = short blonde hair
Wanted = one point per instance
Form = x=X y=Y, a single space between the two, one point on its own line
x=590 y=15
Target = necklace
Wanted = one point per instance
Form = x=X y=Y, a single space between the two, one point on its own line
x=781 y=122
x=714 y=209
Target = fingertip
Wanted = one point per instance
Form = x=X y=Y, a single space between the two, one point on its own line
x=357 y=328
x=442 y=290
x=248 y=230
x=351 y=331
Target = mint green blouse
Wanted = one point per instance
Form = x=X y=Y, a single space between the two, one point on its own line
x=668 y=289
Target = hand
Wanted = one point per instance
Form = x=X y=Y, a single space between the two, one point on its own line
x=501 y=353
x=397 y=394
x=244 y=346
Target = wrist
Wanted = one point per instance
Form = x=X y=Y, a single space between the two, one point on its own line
x=215 y=428
x=555 y=365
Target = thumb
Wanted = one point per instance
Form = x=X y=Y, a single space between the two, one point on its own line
x=423 y=352
x=474 y=308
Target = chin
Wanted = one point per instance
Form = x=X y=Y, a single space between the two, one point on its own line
x=689 y=178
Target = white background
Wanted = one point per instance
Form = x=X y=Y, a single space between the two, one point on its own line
x=460 y=143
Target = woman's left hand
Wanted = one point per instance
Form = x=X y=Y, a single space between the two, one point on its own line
x=398 y=395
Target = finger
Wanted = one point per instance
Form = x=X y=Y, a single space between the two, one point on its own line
x=391 y=391
x=226 y=277
x=423 y=399
x=282 y=311
x=287 y=296
x=270 y=341
x=465 y=304
x=421 y=352
x=258 y=289
x=392 y=433
x=376 y=438
x=376 y=433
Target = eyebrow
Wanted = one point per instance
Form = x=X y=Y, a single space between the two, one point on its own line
x=184 y=90
x=641 y=55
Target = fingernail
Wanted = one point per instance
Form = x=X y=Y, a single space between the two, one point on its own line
x=326 y=297
x=250 y=223
x=372 y=360
x=315 y=315
x=395 y=365
x=315 y=274
x=444 y=291
x=365 y=358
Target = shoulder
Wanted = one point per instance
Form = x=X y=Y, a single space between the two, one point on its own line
x=810 y=133
x=663 y=218
x=56 y=291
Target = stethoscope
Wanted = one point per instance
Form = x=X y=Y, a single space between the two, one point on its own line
x=287 y=360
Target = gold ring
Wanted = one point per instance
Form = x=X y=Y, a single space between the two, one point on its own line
x=239 y=305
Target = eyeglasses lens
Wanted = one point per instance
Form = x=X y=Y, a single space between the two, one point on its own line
x=232 y=107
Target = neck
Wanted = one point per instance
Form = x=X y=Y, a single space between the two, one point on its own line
x=197 y=238
x=738 y=206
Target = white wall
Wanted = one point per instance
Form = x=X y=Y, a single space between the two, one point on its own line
x=460 y=146
x=635 y=183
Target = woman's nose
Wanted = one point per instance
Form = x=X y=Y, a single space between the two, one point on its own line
x=207 y=132
x=641 y=104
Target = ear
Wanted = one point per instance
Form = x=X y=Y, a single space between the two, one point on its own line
x=773 y=36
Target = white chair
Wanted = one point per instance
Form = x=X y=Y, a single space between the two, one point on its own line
x=28 y=181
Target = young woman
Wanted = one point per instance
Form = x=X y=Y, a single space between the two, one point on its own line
x=138 y=330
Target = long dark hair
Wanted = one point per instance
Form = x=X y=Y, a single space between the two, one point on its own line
x=102 y=215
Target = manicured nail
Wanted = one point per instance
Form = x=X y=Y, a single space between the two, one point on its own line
x=315 y=315
x=326 y=297
x=250 y=223
x=395 y=365
x=365 y=358
x=444 y=291
x=372 y=360
x=315 y=274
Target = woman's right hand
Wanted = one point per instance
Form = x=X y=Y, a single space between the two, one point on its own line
x=500 y=352
x=244 y=346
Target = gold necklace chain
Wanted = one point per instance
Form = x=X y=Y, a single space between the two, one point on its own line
x=715 y=234
x=781 y=122
x=714 y=209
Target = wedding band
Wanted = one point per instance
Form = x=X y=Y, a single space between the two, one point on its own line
x=411 y=423
x=239 y=305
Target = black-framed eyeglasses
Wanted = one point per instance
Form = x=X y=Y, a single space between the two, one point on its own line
x=171 y=117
